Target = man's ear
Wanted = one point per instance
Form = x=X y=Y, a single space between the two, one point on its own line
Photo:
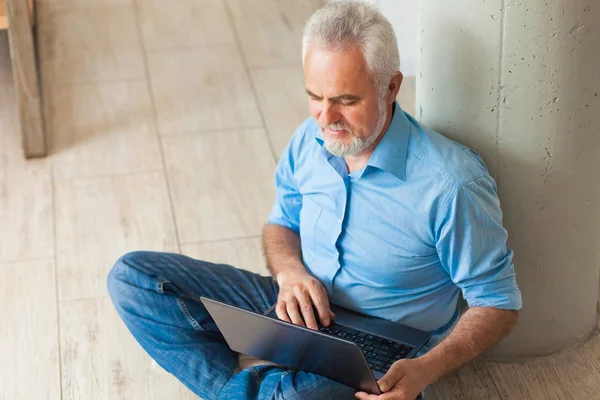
x=394 y=87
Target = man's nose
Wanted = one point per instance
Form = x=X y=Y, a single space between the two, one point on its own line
x=329 y=114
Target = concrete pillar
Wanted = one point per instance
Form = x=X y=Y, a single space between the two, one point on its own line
x=519 y=81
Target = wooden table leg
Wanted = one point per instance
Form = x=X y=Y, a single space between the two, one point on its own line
x=25 y=74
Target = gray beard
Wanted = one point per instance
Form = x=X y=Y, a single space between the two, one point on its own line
x=357 y=145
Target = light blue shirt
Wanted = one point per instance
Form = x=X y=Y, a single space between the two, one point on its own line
x=401 y=238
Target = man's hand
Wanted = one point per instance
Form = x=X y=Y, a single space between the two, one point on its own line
x=477 y=330
x=298 y=292
x=403 y=381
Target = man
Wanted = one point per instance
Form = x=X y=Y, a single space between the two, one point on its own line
x=373 y=212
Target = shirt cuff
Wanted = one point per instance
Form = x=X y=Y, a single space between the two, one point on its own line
x=509 y=299
x=284 y=223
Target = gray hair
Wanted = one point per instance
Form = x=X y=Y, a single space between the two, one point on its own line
x=341 y=25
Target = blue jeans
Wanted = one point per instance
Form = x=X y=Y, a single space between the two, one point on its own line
x=158 y=297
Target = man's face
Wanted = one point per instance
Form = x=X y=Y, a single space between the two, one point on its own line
x=343 y=100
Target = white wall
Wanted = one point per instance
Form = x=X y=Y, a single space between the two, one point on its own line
x=517 y=81
x=403 y=16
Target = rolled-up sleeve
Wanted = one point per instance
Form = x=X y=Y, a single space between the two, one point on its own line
x=288 y=201
x=471 y=244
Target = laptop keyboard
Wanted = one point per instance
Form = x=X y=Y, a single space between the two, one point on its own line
x=380 y=353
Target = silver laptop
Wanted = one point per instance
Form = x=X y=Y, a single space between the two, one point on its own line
x=354 y=350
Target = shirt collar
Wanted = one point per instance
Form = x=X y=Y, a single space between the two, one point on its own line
x=390 y=153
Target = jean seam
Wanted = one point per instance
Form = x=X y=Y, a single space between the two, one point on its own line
x=184 y=293
x=222 y=387
x=188 y=316
x=160 y=288
x=191 y=296
x=285 y=373
x=161 y=282
x=256 y=376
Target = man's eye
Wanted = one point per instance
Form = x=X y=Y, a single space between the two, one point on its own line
x=349 y=103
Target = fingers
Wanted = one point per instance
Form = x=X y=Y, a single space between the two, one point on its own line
x=292 y=310
x=281 y=311
x=366 y=396
x=306 y=307
x=319 y=298
x=384 y=383
x=296 y=301
x=394 y=374
x=287 y=310
x=393 y=395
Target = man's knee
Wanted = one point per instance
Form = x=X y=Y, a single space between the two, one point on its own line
x=123 y=279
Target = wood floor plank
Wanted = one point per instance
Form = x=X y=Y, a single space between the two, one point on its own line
x=201 y=89
x=183 y=23
x=571 y=374
x=26 y=231
x=102 y=360
x=221 y=183
x=472 y=382
x=28 y=332
x=25 y=210
x=88 y=42
x=100 y=219
x=270 y=31
x=241 y=253
x=283 y=101
x=101 y=129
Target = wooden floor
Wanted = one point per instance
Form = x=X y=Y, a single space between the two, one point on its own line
x=149 y=108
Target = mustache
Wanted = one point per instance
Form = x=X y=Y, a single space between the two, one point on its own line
x=337 y=126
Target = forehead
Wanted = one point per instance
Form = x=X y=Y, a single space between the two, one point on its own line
x=332 y=72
